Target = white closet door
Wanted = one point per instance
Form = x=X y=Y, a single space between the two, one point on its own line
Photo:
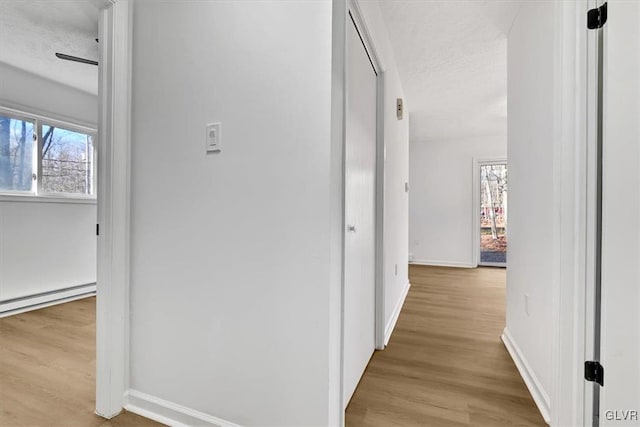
x=620 y=351
x=360 y=163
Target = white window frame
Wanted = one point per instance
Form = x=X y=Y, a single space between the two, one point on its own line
x=36 y=194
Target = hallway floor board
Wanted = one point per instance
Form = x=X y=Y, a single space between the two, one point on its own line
x=445 y=364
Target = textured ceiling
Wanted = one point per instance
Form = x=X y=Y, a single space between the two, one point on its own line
x=452 y=60
x=31 y=32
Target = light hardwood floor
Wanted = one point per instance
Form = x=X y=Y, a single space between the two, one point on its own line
x=47 y=369
x=445 y=364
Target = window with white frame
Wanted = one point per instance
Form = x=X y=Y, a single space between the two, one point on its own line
x=44 y=157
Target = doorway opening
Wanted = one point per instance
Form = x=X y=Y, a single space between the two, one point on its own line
x=49 y=154
x=492 y=213
x=61 y=110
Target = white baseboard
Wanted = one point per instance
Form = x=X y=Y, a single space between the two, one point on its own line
x=442 y=263
x=170 y=413
x=391 y=324
x=45 y=299
x=533 y=384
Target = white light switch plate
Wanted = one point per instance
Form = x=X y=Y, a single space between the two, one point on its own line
x=214 y=138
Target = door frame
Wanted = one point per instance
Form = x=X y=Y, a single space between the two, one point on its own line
x=113 y=195
x=573 y=234
x=350 y=10
x=591 y=218
x=477 y=164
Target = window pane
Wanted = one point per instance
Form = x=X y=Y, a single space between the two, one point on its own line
x=16 y=154
x=493 y=214
x=66 y=161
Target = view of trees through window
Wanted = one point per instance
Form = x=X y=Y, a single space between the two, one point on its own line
x=493 y=213
x=65 y=158
x=16 y=154
x=66 y=161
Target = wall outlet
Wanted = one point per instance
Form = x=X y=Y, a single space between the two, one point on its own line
x=526 y=304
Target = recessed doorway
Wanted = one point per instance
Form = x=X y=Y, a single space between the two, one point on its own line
x=492 y=213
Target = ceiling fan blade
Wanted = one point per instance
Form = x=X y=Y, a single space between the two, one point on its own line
x=76 y=59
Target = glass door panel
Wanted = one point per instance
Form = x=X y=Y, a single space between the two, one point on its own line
x=493 y=214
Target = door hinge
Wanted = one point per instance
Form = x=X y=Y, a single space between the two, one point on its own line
x=596 y=18
x=594 y=372
x=97 y=229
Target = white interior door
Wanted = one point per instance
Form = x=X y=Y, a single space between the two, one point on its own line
x=360 y=163
x=620 y=327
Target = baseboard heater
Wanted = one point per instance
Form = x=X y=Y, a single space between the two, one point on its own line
x=33 y=302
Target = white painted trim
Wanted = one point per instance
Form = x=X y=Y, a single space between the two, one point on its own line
x=573 y=242
x=170 y=413
x=335 y=408
x=33 y=198
x=380 y=197
x=112 y=312
x=101 y=4
x=580 y=306
x=391 y=324
x=492 y=264
x=369 y=39
x=46 y=299
x=539 y=395
x=441 y=263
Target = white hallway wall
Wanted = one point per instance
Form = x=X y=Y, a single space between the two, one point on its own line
x=233 y=262
x=441 y=212
x=230 y=253
x=530 y=107
x=45 y=247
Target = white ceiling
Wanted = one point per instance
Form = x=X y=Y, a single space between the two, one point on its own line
x=32 y=31
x=452 y=60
